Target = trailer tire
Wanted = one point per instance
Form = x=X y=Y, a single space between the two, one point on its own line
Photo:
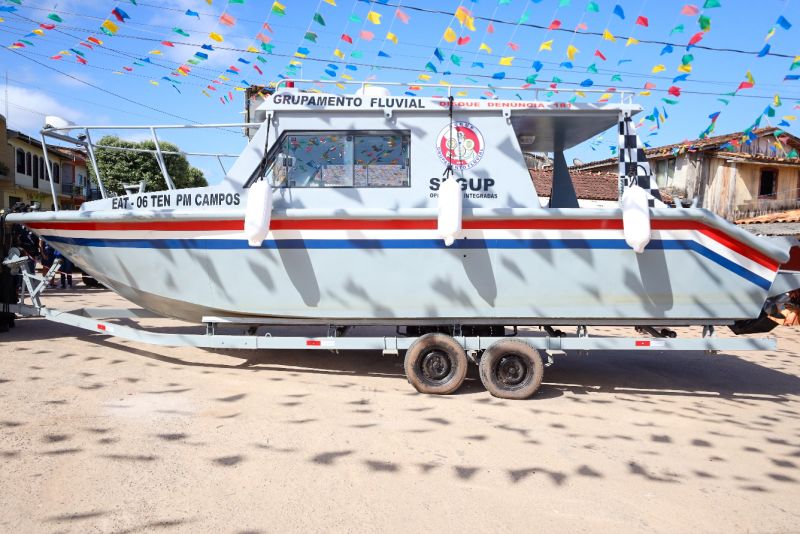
x=511 y=369
x=436 y=364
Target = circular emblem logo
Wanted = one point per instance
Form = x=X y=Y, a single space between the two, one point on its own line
x=463 y=148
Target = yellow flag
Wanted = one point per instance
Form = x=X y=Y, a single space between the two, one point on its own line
x=749 y=77
x=464 y=18
x=2 y=19
x=607 y=35
x=424 y=77
x=300 y=55
x=155 y=52
x=295 y=63
x=506 y=61
x=449 y=35
x=217 y=37
x=461 y=93
x=580 y=93
x=252 y=48
x=604 y=96
x=154 y=82
x=37 y=31
x=347 y=77
x=64 y=53
x=659 y=68
x=571 y=51
x=110 y=26
x=631 y=41
x=444 y=82
x=484 y=46
x=223 y=77
x=547 y=45
x=374 y=17
x=340 y=86
x=645 y=93
x=338 y=53
x=331 y=2
x=391 y=37
x=238 y=88
x=685 y=68
x=776 y=101
x=790 y=117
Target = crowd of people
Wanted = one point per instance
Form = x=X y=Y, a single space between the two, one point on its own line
x=25 y=243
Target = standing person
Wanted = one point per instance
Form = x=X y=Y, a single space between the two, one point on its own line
x=47 y=256
x=65 y=270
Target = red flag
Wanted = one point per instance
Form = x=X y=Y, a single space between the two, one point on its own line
x=87 y=45
x=210 y=87
x=745 y=85
x=94 y=40
x=690 y=10
x=490 y=28
x=47 y=26
x=696 y=38
x=81 y=60
x=649 y=85
x=259 y=70
x=263 y=38
x=55 y=57
x=642 y=21
x=268 y=27
x=675 y=91
x=463 y=40
x=129 y=69
x=556 y=24
x=513 y=46
x=402 y=16
x=599 y=54
x=167 y=43
x=347 y=39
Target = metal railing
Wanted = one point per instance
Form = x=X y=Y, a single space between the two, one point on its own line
x=84 y=139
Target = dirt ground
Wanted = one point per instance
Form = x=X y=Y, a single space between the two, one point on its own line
x=102 y=435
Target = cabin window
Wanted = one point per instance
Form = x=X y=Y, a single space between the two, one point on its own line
x=20 y=161
x=768 y=184
x=342 y=159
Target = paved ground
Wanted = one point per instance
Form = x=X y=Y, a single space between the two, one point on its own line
x=98 y=435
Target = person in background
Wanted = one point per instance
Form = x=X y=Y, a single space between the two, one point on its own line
x=47 y=256
x=65 y=270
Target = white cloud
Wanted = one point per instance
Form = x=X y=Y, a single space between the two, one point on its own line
x=27 y=109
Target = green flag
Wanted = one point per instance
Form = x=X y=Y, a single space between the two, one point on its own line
x=711 y=3
x=54 y=17
x=318 y=19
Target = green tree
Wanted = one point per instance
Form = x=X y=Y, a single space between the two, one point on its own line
x=118 y=167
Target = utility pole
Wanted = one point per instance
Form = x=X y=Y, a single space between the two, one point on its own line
x=6 y=96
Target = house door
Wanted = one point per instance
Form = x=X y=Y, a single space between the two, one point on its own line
x=768 y=184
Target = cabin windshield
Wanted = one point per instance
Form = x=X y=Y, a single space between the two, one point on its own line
x=303 y=159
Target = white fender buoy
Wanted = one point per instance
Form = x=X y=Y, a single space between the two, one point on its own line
x=258 y=213
x=450 y=203
x=635 y=218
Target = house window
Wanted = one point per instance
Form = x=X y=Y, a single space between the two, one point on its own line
x=768 y=184
x=341 y=159
x=36 y=169
x=20 y=161
x=28 y=164
x=42 y=170
x=665 y=171
x=56 y=172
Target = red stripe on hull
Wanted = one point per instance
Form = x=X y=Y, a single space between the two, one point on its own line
x=237 y=225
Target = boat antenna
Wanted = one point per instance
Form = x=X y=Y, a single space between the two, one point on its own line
x=449 y=169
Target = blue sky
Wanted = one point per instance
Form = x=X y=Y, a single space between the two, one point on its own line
x=94 y=94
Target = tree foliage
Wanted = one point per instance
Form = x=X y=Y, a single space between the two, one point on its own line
x=119 y=167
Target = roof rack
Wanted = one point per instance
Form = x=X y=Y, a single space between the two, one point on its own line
x=626 y=97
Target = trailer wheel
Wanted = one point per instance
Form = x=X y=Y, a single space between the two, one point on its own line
x=511 y=369
x=436 y=363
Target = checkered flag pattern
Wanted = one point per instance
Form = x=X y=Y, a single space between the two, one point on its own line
x=633 y=166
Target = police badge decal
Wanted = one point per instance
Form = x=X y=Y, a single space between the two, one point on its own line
x=462 y=148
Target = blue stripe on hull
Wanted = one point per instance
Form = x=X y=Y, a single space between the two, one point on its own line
x=461 y=244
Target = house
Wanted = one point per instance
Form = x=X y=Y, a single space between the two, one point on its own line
x=26 y=176
x=593 y=189
x=735 y=175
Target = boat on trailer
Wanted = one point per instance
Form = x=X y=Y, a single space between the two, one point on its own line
x=415 y=212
